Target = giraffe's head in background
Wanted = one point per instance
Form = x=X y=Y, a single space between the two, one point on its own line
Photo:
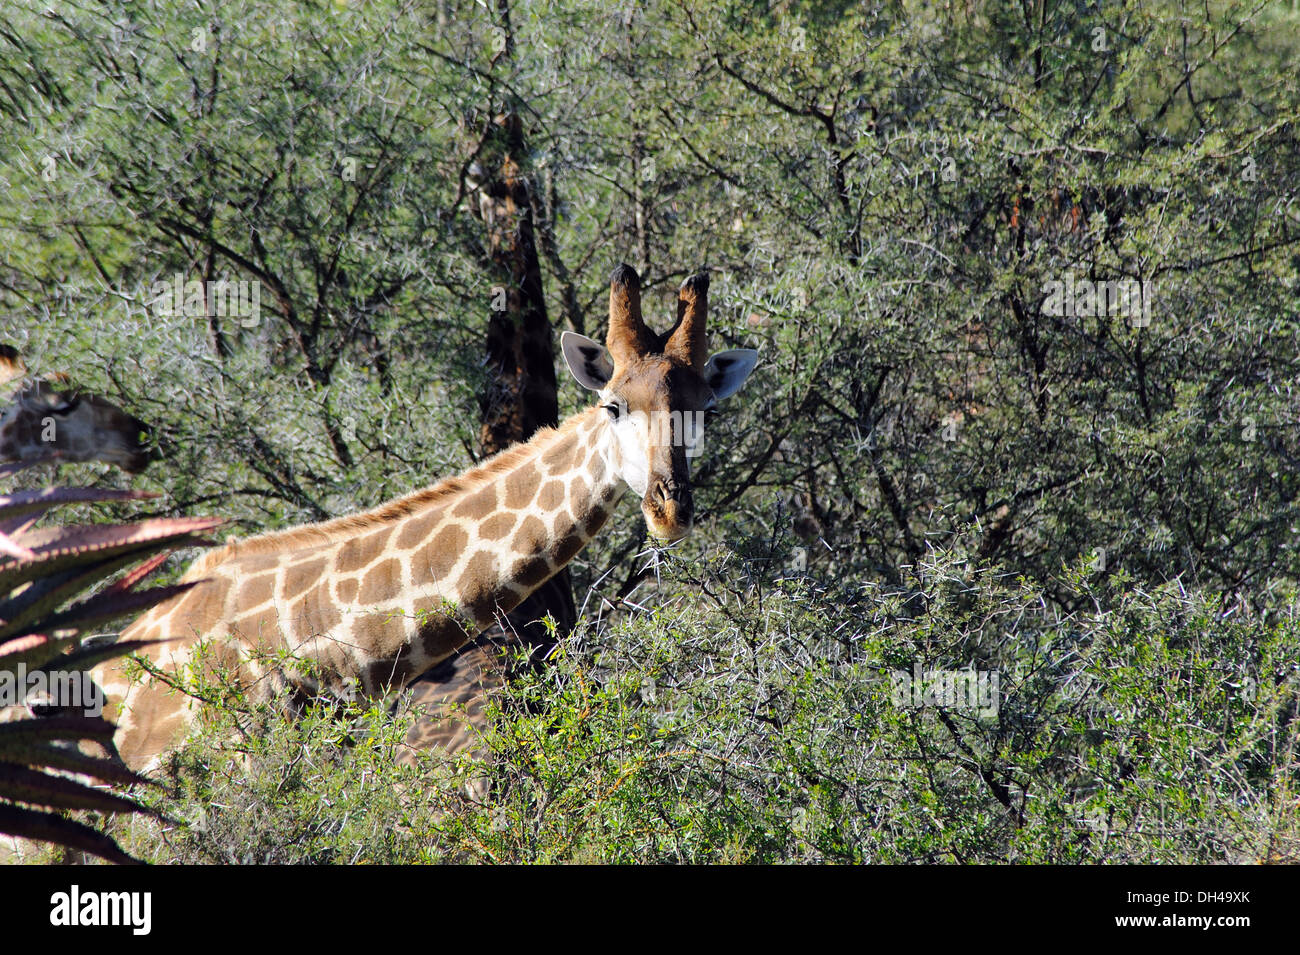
x=657 y=391
x=52 y=421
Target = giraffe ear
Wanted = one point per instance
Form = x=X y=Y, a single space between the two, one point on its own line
x=726 y=371
x=588 y=361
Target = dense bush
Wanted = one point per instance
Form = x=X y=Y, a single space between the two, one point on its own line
x=762 y=723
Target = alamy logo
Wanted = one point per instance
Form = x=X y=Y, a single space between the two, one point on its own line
x=670 y=428
x=976 y=691
x=221 y=298
x=1084 y=298
x=74 y=907
x=74 y=689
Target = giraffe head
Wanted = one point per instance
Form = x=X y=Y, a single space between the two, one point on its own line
x=48 y=423
x=657 y=391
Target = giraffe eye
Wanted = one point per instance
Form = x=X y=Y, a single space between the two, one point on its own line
x=613 y=410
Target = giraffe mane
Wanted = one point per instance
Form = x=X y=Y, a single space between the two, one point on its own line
x=327 y=532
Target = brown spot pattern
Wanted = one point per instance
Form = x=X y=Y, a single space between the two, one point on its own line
x=261 y=629
x=386 y=674
x=432 y=563
x=560 y=458
x=441 y=631
x=258 y=563
x=595 y=521
x=477 y=584
x=531 y=537
x=313 y=617
x=301 y=577
x=530 y=572
x=361 y=552
x=383 y=582
x=382 y=634
x=257 y=591
x=566 y=549
x=479 y=504
x=203 y=608
x=416 y=529
x=497 y=526
x=561 y=523
x=552 y=495
x=521 y=485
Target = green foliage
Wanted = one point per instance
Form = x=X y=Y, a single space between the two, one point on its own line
x=258 y=788
x=762 y=724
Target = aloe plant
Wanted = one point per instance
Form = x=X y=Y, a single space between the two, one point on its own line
x=45 y=576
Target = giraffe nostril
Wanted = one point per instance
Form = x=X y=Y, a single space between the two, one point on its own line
x=661 y=489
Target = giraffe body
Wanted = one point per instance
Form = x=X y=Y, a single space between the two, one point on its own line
x=366 y=603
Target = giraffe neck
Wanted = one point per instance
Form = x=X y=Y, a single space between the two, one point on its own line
x=407 y=594
x=368 y=603
x=510 y=534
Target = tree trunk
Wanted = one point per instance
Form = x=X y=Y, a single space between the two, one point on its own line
x=519 y=398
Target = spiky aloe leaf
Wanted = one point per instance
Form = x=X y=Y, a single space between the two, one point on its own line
x=19 y=783
x=10 y=549
x=87 y=657
x=40 y=752
x=70 y=728
x=41 y=570
x=45 y=596
x=105 y=607
x=46 y=827
x=21 y=507
x=27 y=604
x=25 y=642
x=31 y=651
x=30 y=746
x=60 y=548
x=137 y=574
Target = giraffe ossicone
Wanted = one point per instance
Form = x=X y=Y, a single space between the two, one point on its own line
x=368 y=602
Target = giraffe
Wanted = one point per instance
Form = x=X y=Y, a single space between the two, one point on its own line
x=364 y=604
x=449 y=701
x=52 y=421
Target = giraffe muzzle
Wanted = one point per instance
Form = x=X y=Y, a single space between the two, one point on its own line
x=669 y=509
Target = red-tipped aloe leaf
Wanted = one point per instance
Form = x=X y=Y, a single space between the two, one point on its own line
x=22 y=784
x=31 y=504
x=47 y=595
x=30 y=653
x=137 y=574
x=10 y=549
x=87 y=657
x=77 y=538
x=37 y=752
x=104 y=607
x=62 y=727
x=62 y=547
x=42 y=826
